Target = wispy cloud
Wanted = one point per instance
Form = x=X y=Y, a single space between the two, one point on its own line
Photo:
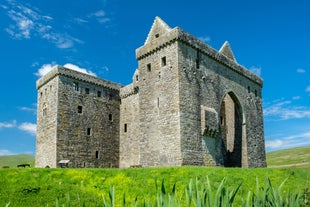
x=296 y=140
x=100 y=16
x=4 y=152
x=32 y=109
x=48 y=67
x=256 y=70
x=8 y=124
x=28 y=127
x=284 y=110
x=205 y=39
x=308 y=89
x=300 y=70
x=28 y=22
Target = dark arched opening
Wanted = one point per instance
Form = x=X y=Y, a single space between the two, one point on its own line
x=231 y=130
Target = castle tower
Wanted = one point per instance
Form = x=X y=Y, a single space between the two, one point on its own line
x=78 y=120
x=196 y=105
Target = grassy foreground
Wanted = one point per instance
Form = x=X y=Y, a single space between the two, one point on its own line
x=42 y=187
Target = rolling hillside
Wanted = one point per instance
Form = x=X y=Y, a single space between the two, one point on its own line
x=294 y=157
x=288 y=158
x=12 y=161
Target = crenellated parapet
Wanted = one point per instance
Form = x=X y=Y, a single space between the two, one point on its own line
x=170 y=36
x=60 y=70
x=128 y=90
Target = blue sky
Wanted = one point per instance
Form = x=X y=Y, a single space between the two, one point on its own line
x=271 y=38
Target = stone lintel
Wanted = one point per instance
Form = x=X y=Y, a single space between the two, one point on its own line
x=177 y=34
x=60 y=70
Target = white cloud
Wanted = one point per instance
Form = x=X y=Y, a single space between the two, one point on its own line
x=308 y=89
x=256 y=70
x=8 y=124
x=28 y=22
x=100 y=16
x=300 y=70
x=32 y=109
x=205 y=39
x=295 y=140
x=45 y=69
x=4 y=152
x=284 y=110
x=77 y=68
x=48 y=67
x=28 y=127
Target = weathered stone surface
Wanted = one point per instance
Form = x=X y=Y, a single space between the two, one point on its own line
x=188 y=104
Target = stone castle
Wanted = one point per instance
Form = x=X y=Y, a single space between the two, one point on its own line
x=188 y=104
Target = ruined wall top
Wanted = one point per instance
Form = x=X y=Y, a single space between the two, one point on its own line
x=60 y=70
x=162 y=35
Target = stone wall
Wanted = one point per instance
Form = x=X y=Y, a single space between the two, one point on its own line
x=86 y=120
x=46 y=123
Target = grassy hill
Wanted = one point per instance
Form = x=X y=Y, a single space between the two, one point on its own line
x=288 y=158
x=13 y=160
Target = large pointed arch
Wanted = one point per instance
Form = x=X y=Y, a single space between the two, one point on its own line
x=232 y=133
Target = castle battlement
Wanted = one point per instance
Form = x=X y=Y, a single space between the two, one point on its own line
x=60 y=70
x=128 y=91
x=188 y=104
x=168 y=36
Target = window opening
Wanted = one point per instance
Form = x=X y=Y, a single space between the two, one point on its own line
x=98 y=93
x=137 y=77
x=76 y=86
x=149 y=68
x=249 y=89
x=125 y=127
x=255 y=93
x=158 y=102
x=97 y=154
x=80 y=109
x=86 y=90
x=110 y=117
x=163 y=61
x=157 y=35
x=88 y=131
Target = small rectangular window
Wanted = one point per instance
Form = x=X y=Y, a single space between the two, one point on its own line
x=80 y=109
x=197 y=63
x=149 y=67
x=125 y=127
x=98 y=93
x=163 y=61
x=97 y=154
x=137 y=77
x=88 y=131
x=76 y=86
x=110 y=117
x=86 y=90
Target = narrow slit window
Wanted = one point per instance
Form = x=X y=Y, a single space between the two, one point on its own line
x=137 y=78
x=80 y=109
x=110 y=117
x=98 y=93
x=88 y=131
x=86 y=90
x=97 y=154
x=163 y=61
x=149 y=67
x=125 y=127
x=249 y=89
x=255 y=93
x=197 y=63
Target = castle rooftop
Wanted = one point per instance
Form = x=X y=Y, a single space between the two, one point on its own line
x=162 y=35
x=60 y=70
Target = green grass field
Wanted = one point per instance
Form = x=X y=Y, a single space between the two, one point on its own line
x=41 y=187
x=76 y=187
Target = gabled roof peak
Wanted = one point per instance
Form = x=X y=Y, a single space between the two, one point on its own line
x=226 y=50
x=158 y=28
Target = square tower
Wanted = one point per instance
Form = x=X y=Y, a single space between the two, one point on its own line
x=78 y=120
